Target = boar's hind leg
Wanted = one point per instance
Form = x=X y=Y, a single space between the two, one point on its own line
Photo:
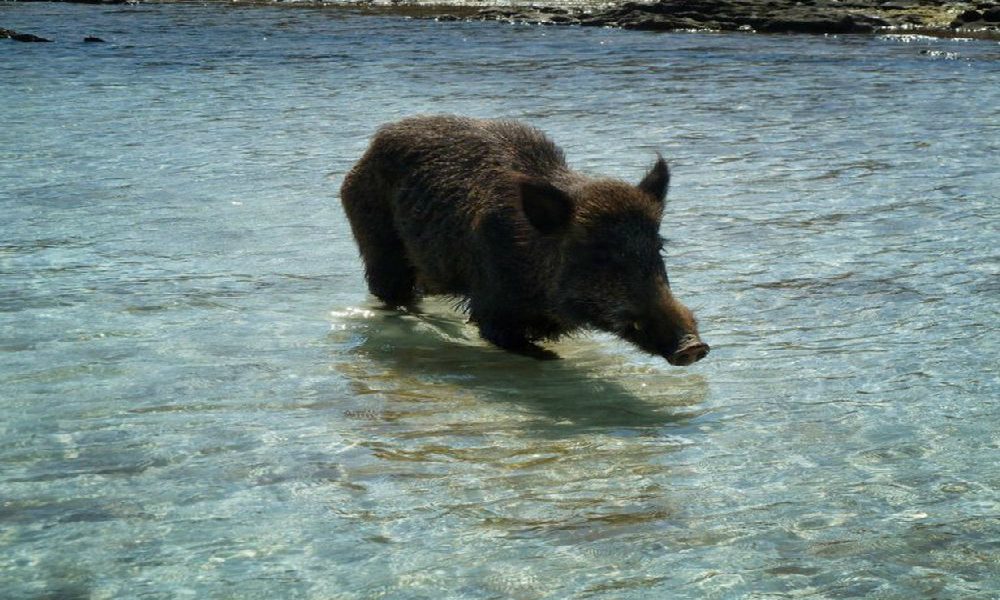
x=388 y=270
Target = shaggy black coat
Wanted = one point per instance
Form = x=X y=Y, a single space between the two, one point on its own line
x=488 y=211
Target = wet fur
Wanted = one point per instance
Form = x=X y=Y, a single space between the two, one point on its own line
x=490 y=213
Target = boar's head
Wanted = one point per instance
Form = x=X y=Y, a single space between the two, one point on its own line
x=610 y=273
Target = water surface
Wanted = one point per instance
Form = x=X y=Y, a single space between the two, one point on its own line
x=199 y=399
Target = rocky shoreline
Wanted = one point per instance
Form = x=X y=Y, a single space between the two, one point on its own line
x=940 y=18
x=926 y=17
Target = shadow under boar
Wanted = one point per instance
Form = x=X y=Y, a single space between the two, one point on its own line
x=489 y=212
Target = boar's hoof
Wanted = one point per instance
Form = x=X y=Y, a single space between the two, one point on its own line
x=533 y=351
x=691 y=351
x=524 y=348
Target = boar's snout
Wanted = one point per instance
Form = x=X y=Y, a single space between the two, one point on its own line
x=690 y=350
x=670 y=331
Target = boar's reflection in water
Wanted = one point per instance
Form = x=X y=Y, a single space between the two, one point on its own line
x=488 y=211
x=425 y=364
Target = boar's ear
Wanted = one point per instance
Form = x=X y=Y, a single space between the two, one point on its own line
x=656 y=181
x=547 y=208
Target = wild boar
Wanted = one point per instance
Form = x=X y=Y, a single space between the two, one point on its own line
x=488 y=211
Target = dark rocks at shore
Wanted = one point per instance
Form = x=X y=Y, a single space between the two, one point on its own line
x=672 y=15
x=987 y=15
x=945 y=18
x=20 y=37
x=933 y=17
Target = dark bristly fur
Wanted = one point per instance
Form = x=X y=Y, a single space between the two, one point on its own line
x=488 y=211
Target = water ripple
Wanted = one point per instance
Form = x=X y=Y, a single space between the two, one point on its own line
x=199 y=398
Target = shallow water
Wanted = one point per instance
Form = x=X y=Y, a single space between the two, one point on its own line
x=199 y=400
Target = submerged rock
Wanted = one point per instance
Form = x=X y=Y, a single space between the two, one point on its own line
x=20 y=37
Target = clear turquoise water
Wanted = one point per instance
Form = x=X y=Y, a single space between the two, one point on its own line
x=199 y=400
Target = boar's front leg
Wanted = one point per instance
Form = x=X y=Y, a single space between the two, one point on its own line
x=509 y=334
